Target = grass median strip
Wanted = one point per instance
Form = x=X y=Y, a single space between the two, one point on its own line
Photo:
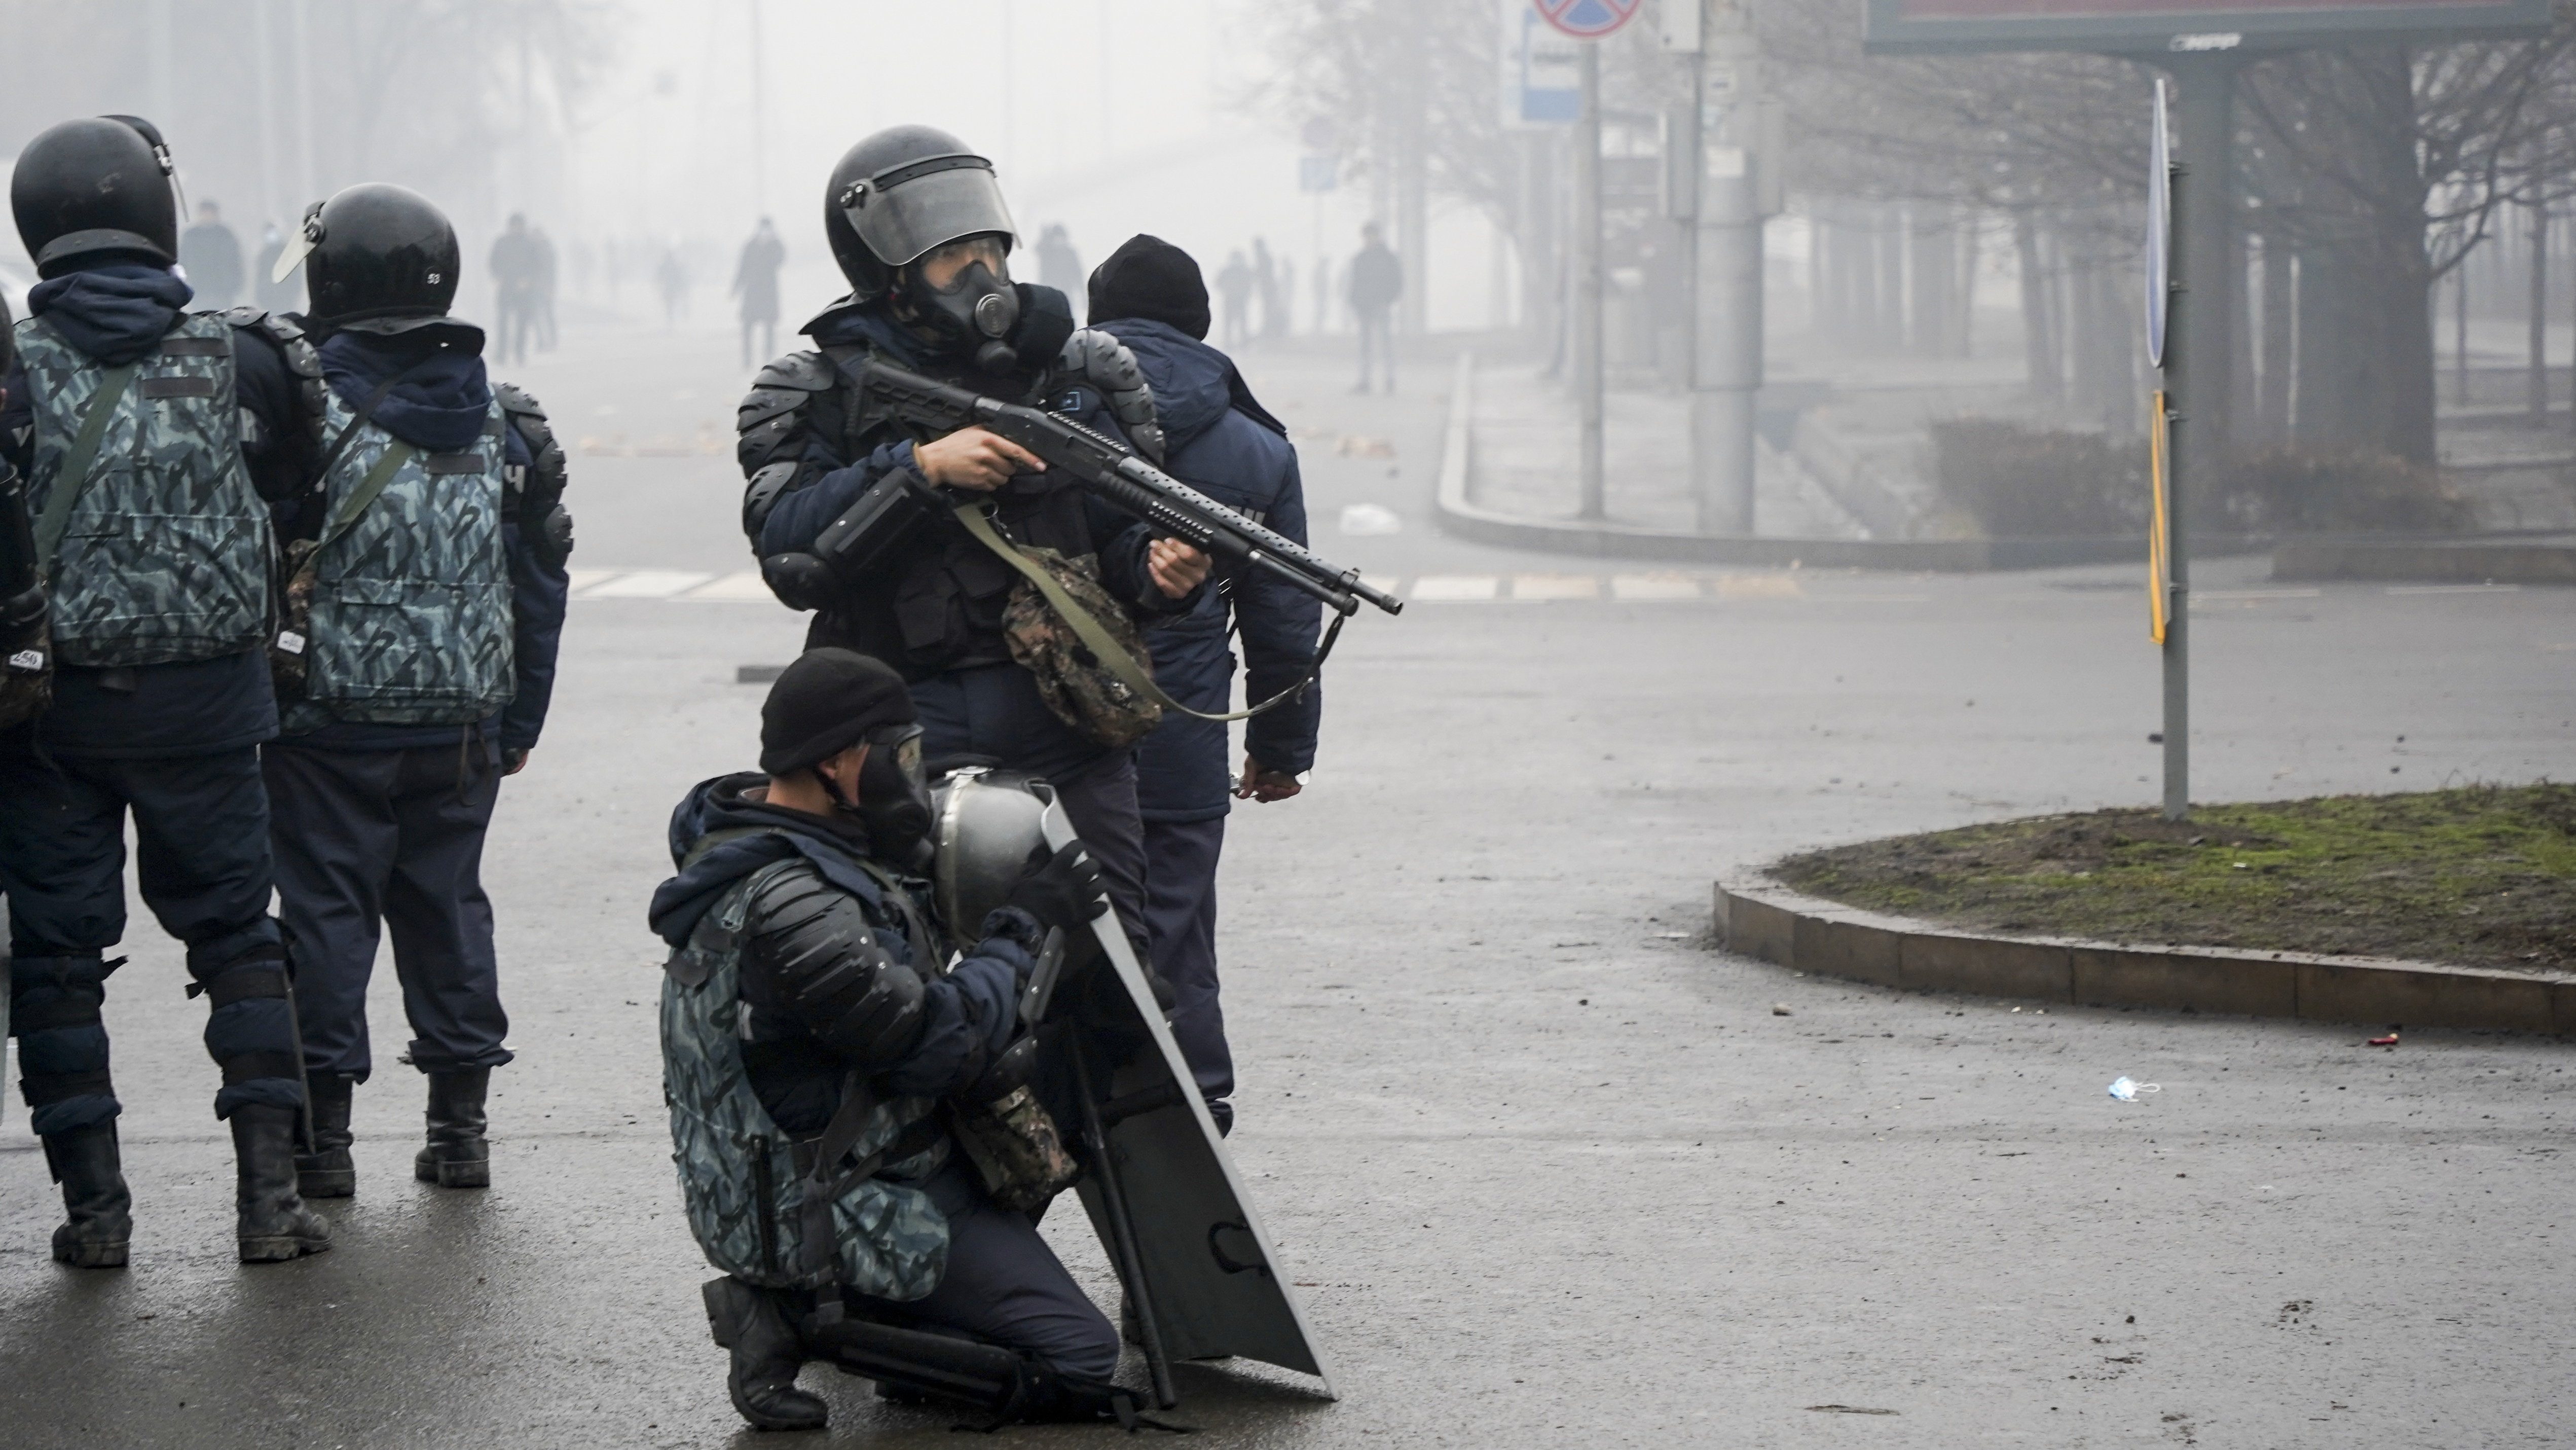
x=2481 y=876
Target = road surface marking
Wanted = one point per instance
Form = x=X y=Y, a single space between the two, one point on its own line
x=584 y=578
x=2456 y=589
x=1758 y=586
x=1537 y=587
x=2252 y=595
x=648 y=584
x=743 y=588
x=1653 y=586
x=1447 y=587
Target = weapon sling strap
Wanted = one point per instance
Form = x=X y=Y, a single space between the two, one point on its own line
x=818 y=1251
x=72 y=479
x=1113 y=656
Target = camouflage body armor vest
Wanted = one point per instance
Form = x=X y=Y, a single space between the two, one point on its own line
x=166 y=555
x=744 y=1178
x=410 y=617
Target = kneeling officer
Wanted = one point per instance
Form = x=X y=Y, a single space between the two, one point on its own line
x=815 y=1056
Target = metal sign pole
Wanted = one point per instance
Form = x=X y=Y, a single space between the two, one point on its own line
x=1587 y=284
x=2196 y=371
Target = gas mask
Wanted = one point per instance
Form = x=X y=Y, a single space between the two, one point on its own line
x=972 y=317
x=894 y=795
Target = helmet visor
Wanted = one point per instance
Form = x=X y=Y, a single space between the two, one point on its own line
x=903 y=213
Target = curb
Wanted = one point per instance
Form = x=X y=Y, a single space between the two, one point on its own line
x=1758 y=918
x=1460 y=517
x=2430 y=563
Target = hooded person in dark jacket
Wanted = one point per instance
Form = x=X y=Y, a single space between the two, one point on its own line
x=1222 y=442
x=830 y=946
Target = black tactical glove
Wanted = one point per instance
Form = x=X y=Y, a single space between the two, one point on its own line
x=1061 y=891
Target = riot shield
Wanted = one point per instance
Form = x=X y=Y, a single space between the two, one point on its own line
x=1164 y=1197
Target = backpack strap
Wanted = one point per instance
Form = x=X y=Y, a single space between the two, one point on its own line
x=1113 y=656
x=72 y=479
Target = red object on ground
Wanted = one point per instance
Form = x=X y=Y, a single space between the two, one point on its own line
x=2389 y=1041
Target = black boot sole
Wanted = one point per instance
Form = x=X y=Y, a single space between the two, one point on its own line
x=476 y=1173
x=279 y=1248
x=817 y=1418
x=90 y=1255
x=332 y=1181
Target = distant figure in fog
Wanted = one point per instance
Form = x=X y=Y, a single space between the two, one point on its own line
x=1323 y=295
x=671 y=278
x=755 y=283
x=212 y=257
x=1059 y=265
x=514 y=288
x=286 y=296
x=1234 y=291
x=1376 y=281
x=583 y=259
x=1265 y=275
x=542 y=296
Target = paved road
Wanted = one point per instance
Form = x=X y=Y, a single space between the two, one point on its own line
x=1554 y=1172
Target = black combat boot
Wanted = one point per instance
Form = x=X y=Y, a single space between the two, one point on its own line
x=100 y=1211
x=275 y=1224
x=766 y=1356
x=327 y=1171
x=457 y=1155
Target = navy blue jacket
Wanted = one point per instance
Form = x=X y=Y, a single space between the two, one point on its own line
x=116 y=312
x=982 y=706
x=1218 y=441
x=442 y=408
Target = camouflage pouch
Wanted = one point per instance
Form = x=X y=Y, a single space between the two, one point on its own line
x=294 y=619
x=1017 y=1152
x=27 y=677
x=1065 y=629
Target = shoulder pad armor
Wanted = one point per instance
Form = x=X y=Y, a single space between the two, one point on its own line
x=301 y=358
x=1095 y=357
x=550 y=470
x=772 y=413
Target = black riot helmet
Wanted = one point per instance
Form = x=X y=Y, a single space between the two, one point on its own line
x=95 y=186
x=374 y=250
x=902 y=192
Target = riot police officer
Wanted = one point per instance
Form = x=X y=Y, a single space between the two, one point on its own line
x=152 y=440
x=809 y=1039
x=918 y=225
x=427 y=597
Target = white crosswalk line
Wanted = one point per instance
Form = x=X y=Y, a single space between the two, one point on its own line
x=584 y=578
x=1542 y=587
x=1653 y=587
x=648 y=584
x=1446 y=587
x=1758 y=586
x=743 y=588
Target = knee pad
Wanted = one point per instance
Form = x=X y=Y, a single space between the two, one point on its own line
x=251 y=1032
x=62 y=1043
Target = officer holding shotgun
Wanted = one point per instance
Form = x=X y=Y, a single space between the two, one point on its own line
x=916 y=547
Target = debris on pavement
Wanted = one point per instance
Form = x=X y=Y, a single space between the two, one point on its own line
x=1850 y=1410
x=2128 y=1089
x=2389 y=1041
x=1779 y=1009
x=1369 y=520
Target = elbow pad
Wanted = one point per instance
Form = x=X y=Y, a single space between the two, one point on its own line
x=840 y=983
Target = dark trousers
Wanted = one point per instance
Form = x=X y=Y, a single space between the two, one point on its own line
x=768 y=328
x=1101 y=804
x=1006 y=1287
x=202 y=863
x=1180 y=918
x=369 y=840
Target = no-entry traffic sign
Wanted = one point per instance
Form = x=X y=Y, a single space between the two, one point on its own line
x=1588 y=19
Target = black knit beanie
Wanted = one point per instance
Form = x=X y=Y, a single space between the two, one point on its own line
x=823 y=704
x=1150 y=278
